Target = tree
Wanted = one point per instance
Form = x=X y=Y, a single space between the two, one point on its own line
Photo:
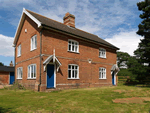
x=1 y=64
x=142 y=53
x=122 y=58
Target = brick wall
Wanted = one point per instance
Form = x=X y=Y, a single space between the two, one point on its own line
x=88 y=72
x=4 y=77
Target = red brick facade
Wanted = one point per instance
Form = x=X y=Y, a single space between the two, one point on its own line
x=4 y=77
x=88 y=72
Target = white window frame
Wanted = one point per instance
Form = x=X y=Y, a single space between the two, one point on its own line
x=102 y=53
x=19 y=74
x=29 y=71
x=73 y=45
x=102 y=73
x=73 y=70
x=33 y=42
x=19 y=50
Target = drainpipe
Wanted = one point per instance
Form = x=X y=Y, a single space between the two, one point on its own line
x=14 y=59
x=40 y=58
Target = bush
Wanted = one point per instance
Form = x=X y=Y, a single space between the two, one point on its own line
x=16 y=86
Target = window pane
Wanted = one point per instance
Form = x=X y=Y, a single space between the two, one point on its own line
x=73 y=73
x=35 y=41
x=76 y=73
x=76 y=48
x=34 y=71
x=76 y=67
x=28 y=71
x=72 y=67
x=69 y=67
x=69 y=73
x=31 y=71
x=73 y=48
x=69 y=47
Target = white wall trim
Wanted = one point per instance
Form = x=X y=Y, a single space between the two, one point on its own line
x=24 y=12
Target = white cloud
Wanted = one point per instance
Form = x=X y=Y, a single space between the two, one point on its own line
x=126 y=41
x=6 y=48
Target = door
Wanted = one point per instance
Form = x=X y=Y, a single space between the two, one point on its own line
x=113 y=82
x=12 y=77
x=50 y=76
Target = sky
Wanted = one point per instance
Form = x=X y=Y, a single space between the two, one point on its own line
x=115 y=21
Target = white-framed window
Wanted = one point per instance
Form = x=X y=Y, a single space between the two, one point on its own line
x=32 y=71
x=73 y=71
x=73 y=46
x=19 y=73
x=19 y=50
x=102 y=73
x=102 y=52
x=33 y=42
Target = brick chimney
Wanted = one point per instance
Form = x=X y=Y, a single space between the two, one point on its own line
x=11 y=64
x=69 y=19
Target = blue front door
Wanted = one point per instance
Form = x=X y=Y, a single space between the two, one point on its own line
x=50 y=76
x=113 y=83
x=12 y=77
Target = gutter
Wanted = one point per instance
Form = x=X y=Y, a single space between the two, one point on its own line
x=79 y=36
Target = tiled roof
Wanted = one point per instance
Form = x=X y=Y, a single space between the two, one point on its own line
x=7 y=69
x=74 y=31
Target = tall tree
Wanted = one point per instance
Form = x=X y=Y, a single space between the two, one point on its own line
x=122 y=58
x=143 y=51
x=142 y=54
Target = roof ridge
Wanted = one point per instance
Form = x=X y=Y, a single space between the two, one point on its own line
x=59 y=22
x=44 y=16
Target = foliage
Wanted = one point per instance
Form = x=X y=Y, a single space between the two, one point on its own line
x=122 y=58
x=142 y=53
x=1 y=64
x=16 y=86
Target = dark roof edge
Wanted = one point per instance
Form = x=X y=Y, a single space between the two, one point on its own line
x=81 y=37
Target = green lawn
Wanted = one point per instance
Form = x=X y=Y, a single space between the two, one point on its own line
x=87 y=100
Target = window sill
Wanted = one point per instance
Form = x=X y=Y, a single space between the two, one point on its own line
x=31 y=78
x=102 y=78
x=102 y=57
x=18 y=56
x=19 y=78
x=73 y=78
x=33 y=49
x=73 y=52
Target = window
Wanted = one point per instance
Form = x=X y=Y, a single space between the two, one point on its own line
x=73 y=46
x=32 y=71
x=102 y=53
x=102 y=73
x=73 y=71
x=34 y=42
x=19 y=50
x=19 y=73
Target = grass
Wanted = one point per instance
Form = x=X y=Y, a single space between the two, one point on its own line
x=87 y=100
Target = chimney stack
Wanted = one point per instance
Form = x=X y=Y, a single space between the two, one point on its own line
x=69 y=19
x=11 y=64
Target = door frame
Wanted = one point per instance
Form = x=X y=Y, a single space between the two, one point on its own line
x=54 y=74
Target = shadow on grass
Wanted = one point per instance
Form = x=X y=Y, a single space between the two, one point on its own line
x=5 y=110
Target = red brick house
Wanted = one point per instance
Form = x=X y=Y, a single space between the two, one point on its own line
x=50 y=54
x=7 y=74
